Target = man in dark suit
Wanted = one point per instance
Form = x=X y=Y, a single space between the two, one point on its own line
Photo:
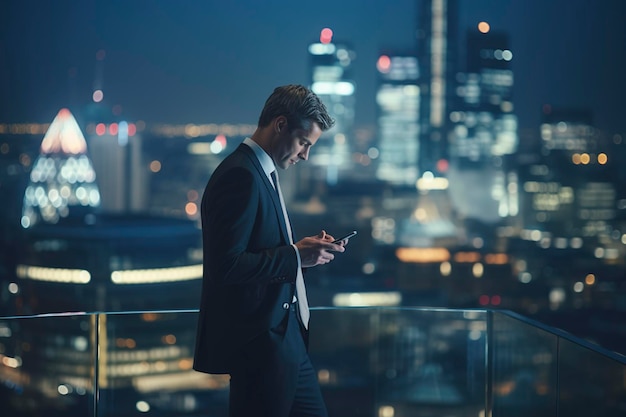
x=253 y=321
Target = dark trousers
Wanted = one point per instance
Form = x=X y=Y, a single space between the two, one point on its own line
x=275 y=378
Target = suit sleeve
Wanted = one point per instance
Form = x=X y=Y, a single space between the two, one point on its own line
x=241 y=234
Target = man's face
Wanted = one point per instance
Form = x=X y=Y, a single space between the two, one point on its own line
x=293 y=145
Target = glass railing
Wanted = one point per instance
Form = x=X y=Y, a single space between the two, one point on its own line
x=375 y=362
x=542 y=371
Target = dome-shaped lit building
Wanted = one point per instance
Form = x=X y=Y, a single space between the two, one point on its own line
x=62 y=181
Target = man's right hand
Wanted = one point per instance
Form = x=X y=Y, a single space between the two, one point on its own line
x=317 y=250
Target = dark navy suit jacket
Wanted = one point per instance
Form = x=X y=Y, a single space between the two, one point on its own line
x=249 y=267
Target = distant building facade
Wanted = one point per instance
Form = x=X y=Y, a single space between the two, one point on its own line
x=398 y=104
x=331 y=79
x=117 y=154
x=437 y=29
x=484 y=186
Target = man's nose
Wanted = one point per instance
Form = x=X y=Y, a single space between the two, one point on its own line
x=304 y=155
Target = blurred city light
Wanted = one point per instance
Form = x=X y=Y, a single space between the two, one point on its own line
x=483 y=27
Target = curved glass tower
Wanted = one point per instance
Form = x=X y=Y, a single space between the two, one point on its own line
x=62 y=181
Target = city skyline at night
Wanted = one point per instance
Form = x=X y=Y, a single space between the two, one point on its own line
x=479 y=152
x=193 y=63
x=472 y=202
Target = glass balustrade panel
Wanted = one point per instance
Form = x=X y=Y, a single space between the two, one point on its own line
x=145 y=367
x=400 y=362
x=47 y=365
x=590 y=383
x=525 y=369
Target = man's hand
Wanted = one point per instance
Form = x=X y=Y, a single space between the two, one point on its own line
x=317 y=250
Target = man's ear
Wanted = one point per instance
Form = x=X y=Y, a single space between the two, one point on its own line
x=280 y=123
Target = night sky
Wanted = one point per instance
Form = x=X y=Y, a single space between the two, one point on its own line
x=216 y=61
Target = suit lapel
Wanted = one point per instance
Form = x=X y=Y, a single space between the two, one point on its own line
x=269 y=188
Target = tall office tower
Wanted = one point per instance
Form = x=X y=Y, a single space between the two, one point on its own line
x=330 y=65
x=485 y=131
x=485 y=125
x=62 y=182
x=436 y=43
x=398 y=103
x=118 y=160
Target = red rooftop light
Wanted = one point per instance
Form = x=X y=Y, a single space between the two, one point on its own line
x=326 y=36
x=383 y=64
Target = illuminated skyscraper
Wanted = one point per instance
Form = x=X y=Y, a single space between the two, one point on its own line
x=398 y=101
x=62 y=181
x=482 y=186
x=331 y=80
x=436 y=48
x=485 y=125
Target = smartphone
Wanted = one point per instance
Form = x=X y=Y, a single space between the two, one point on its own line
x=348 y=236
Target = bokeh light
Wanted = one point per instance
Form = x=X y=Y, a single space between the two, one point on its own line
x=483 y=27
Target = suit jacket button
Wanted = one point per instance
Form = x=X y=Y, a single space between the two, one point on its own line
x=286 y=306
